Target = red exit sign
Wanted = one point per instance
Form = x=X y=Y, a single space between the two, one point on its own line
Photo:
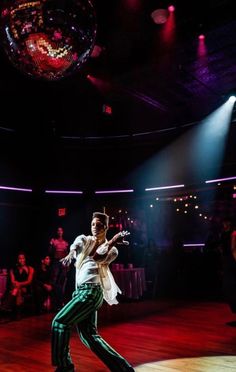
x=61 y=212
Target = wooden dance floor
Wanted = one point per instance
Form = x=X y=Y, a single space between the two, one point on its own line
x=180 y=336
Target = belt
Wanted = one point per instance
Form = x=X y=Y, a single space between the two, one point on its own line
x=89 y=285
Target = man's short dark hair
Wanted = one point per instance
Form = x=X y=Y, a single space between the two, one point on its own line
x=103 y=217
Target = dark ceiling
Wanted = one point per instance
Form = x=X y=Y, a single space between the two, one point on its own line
x=151 y=83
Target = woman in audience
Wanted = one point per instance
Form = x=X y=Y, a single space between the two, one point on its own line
x=58 y=249
x=20 y=286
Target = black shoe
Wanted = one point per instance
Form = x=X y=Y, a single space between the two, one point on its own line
x=69 y=368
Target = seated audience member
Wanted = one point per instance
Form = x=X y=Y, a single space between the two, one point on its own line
x=20 y=286
x=44 y=287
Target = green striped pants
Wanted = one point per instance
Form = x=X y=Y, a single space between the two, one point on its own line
x=81 y=312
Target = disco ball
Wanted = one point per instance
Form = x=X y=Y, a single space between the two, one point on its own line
x=48 y=39
x=160 y=16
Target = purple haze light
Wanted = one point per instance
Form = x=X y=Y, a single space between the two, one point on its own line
x=113 y=191
x=221 y=179
x=62 y=192
x=15 y=189
x=164 y=187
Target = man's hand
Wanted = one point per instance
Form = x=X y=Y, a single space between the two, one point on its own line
x=66 y=261
x=119 y=238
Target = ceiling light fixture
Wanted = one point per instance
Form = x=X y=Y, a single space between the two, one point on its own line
x=62 y=192
x=15 y=189
x=164 y=187
x=113 y=191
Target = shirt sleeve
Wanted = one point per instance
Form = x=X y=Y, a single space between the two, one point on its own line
x=111 y=256
x=78 y=244
x=104 y=256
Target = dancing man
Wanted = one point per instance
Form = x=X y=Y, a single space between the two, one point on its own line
x=94 y=282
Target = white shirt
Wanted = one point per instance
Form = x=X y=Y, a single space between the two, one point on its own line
x=89 y=270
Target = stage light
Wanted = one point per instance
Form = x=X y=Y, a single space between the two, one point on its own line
x=232 y=99
x=201 y=37
x=171 y=8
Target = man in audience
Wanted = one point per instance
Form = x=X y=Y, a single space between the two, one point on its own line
x=44 y=288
